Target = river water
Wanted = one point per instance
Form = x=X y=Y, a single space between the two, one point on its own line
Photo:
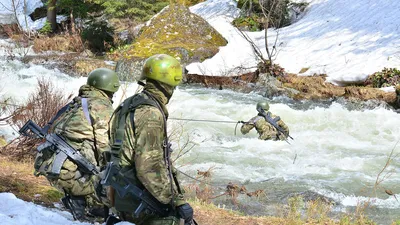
x=337 y=152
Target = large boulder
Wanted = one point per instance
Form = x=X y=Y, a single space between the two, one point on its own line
x=174 y=31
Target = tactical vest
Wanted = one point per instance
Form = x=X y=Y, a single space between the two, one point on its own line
x=127 y=108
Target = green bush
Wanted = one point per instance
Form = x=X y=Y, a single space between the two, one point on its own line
x=98 y=35
x=141 y=10
x=250 y=23
x=46 y=29
x=385 y=78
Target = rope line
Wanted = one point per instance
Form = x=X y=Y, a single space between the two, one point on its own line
x=210 y=121
x=198 y=180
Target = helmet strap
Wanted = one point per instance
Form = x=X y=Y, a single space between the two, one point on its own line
x=260 y=110
x=161 y=88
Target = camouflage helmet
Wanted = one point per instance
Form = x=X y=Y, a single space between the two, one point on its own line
x=163 y=68
x=103 y=79
x=262 y=105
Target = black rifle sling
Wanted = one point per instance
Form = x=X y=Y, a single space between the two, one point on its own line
x=274 y=122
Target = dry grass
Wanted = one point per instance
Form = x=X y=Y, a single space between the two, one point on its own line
x=315 y=87
x=64 y=43
x=209 y=214
x=17 y=178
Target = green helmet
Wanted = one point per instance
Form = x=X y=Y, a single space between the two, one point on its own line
x=262 y=105
x=104 y=79
x=163 y=68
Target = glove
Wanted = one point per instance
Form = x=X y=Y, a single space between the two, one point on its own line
x=185 y=212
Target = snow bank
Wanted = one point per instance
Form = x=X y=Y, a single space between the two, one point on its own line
x=14 y=211
x=7 y=10
x=7 y=15
x=347 y=40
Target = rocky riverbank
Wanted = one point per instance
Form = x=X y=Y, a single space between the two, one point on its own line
x=313 y=88
x=299 y=88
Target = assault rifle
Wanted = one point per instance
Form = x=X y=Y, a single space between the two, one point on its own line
x=274 y=122
x=114 y=178
x=60 y=147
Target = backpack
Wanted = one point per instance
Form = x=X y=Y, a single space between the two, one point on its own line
x=47 y=161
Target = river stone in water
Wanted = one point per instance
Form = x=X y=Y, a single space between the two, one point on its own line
x=269 y=86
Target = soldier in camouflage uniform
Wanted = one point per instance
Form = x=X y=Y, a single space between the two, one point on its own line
x=265 y=129
x=143 y=156
x=83 y=124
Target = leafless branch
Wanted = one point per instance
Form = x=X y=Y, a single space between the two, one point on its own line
x=384 y=174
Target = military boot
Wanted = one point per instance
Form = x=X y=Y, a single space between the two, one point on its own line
x=111 y=220
x=77 y=205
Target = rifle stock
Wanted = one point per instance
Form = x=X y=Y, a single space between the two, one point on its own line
x=121 y=185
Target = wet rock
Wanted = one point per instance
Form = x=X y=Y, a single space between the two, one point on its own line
x=308 y=196
x=270 y=86
x=357 y=104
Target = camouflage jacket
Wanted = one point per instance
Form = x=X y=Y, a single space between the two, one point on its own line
x=142 y=153
x=88 y=137
x=265 y=130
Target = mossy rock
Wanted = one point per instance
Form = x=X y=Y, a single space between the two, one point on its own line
x=129 y=69
x=177 y=32
x=3 y=141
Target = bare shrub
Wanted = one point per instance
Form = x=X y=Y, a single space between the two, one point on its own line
x=10 y=30
x=7 y=110
x=40 y=107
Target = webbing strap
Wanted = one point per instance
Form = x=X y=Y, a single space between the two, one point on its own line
x=58 y=114
x=85 y=108
x=254 y=121
x=128 y=106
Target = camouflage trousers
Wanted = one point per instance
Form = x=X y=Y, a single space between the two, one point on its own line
x=75 y=183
